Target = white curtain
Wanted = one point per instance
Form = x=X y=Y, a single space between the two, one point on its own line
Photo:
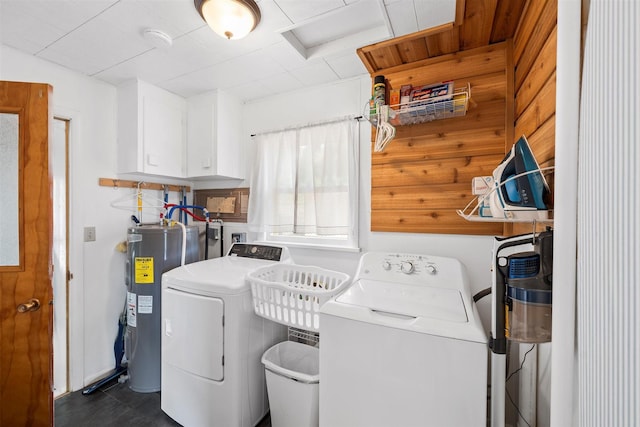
x=304 y=180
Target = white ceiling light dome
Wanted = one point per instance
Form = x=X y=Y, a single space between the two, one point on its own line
x=231 y=19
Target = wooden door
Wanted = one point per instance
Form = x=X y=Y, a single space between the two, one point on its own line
x=25 y=329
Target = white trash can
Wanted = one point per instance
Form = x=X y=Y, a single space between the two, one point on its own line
x=292 y=372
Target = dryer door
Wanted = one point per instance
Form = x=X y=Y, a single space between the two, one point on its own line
x=192 y=336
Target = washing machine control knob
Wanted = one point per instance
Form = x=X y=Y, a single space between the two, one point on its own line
x=431 y=269
x=407 y=267
x=386 y=265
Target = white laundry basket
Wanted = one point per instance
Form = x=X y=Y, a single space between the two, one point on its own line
x=293 y=294
x=292 y=372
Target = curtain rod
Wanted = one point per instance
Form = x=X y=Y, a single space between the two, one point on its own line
x=308 y=125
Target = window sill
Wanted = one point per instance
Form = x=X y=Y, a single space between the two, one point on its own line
x=317 y=246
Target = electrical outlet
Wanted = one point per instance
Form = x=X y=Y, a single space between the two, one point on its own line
x=89 y=234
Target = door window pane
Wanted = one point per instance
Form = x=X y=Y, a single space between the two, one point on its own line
x=9 y=224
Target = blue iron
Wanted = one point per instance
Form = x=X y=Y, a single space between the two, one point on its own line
x=520 y=187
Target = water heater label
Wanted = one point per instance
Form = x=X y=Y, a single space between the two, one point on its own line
x=145 y=304
x=131 y=309
x=144 y=269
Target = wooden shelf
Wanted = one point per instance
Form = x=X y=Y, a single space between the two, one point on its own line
x=143 y=185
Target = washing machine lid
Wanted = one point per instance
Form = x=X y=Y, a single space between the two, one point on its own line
x=224 y=275
x=421 y=309
x=406 y=300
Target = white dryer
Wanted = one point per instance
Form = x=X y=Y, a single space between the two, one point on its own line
x=403 y=346
x=212 y=341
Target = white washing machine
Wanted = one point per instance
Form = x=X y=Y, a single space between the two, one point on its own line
x=403 y=346
x=212 y=341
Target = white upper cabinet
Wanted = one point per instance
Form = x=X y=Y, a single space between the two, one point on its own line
x=151 y=130
x=213 y=136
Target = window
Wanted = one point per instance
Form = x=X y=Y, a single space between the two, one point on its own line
x=304 y=185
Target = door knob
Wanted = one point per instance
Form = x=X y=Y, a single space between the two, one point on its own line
x=32 y=305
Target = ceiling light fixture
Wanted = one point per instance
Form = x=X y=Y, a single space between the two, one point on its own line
x=231 y=19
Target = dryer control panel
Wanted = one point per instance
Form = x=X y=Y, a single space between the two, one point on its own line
x=266 y=252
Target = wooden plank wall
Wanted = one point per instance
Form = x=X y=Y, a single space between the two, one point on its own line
x=534 y=52
x=424 y=175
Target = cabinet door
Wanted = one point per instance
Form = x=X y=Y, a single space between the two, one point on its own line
x=163 y=137
x=213 y=138
x=201 y=135
x=229 y=141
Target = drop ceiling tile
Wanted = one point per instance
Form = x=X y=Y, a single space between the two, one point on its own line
x=346 y=66
x=273 y=85
x=175 y=17
x=403 y=17
x=254 y=66
x=285 y=55
x=231 y=73
x=433 y=13
x=117 y=31
x=284 y=82
x=301 y=10
x=154 y=66
x=340 y=23
x=253 y=90
x=31 y=26
x=77 y=50
x=316 y=72
x=273 y=17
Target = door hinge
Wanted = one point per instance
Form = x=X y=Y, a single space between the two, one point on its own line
x=69 y=276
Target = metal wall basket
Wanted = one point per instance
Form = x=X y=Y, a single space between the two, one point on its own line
x=293 y=294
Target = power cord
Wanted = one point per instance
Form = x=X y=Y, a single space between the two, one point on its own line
x=511 y=375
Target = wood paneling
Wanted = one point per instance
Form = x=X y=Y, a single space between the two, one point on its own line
x=535 y=50
x=506 y=19
x=446 y=196
x=442 y=145
x=506 y=51
x=527 y=26
x=460 y=65
x=541 y=108
x=477 y=23
x=538 y=75
x=530 y=55
x=443 y=171
x=441 y=221
x=424 y=175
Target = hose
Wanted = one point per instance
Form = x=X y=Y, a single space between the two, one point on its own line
x=483 y=293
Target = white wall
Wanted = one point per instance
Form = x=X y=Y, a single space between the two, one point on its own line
x=97 y=291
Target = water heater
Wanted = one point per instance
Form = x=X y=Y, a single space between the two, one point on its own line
x=151 y=251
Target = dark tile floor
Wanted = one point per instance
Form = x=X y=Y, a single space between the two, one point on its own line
x=115 y=405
